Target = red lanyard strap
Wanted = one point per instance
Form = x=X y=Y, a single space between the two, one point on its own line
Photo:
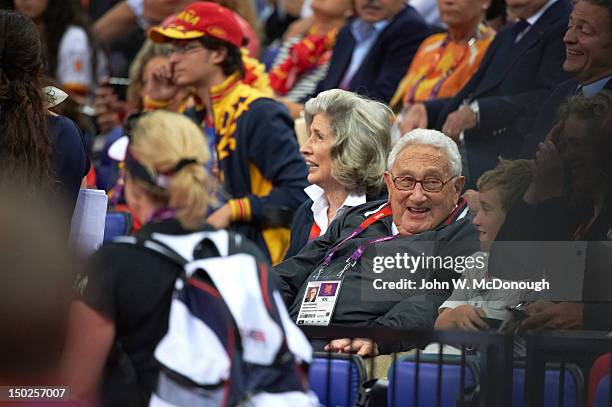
x=382 y=213
x=354 y=258
x=315 y=231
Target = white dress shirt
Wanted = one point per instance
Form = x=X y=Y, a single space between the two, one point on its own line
x=320 y=205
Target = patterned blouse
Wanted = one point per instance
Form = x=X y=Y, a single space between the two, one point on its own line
x=442 y=67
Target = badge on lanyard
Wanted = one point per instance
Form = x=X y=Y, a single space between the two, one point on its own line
x=320 y=297
x=319 y=302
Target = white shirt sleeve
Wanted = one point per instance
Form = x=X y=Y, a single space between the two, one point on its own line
x=74 y=59
x=137 y=7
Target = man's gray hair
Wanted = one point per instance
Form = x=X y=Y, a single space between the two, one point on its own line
x=431 y=138
x=362 y=138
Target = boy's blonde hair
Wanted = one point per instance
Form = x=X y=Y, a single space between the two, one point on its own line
x=510 y=178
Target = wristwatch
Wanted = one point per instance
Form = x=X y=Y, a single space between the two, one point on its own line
x=476 y=110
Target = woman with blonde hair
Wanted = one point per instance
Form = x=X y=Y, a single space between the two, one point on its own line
x=123 y=307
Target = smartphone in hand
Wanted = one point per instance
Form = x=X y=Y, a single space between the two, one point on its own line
x=518 y=313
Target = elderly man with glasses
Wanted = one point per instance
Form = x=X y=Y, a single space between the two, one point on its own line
x=422 y=217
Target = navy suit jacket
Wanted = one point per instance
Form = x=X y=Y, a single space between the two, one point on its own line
x=549 y=115
x=386 y=62
x=510 y=86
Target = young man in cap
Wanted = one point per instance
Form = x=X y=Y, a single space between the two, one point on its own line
x=256 y=148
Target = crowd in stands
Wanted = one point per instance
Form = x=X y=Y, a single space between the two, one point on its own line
x=433 y=130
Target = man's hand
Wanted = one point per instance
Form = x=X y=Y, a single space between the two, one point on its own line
x=158 y=83
x=548 y=176
x=545 y=314
x=471 y=197
x=106 y=105
x=361 y=346
x=459 y=120
x=468 y=318
x=415 y=117
x=221 y=218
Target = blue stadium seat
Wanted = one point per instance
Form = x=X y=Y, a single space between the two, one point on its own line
x=572 y=386
x=117 y=224
x=402 y=380
x=347 y=374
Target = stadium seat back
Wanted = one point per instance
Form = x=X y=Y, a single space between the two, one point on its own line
x=345 y=374
x=572 y=387
x=402 y=379
x=116 y=224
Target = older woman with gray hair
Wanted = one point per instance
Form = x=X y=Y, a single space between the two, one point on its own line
x=346 y=153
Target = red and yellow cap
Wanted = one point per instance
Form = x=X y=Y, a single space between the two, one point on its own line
x=197 y=20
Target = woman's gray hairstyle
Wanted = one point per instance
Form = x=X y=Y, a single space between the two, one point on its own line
x=362 y=138
x=431 y=138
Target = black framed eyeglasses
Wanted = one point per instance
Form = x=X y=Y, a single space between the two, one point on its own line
x=430 y=184
x=186 y=49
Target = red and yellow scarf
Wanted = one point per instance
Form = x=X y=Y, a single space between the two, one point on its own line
x=312 y=51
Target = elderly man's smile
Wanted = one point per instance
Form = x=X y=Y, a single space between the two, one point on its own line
x=418 y=213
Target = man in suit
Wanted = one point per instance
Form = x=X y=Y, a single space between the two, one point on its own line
x=373 y=51
x=498 y=106
x=588 y=44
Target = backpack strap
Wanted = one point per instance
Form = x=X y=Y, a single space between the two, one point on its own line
x=234 y=243
x=151 y=245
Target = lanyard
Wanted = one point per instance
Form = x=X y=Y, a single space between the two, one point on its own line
x=162 y=214
x=351 y=261
x=315 y=231
x=382 y=213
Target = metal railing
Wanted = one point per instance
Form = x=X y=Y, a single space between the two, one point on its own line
x=492 y=352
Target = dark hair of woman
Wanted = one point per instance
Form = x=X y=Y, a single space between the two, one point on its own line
x=57 y=17
x=25 y=146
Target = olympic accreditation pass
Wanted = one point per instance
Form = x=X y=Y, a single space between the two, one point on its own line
x=28 y=393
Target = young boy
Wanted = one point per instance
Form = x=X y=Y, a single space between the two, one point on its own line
x=259 y=162
x=465 y=309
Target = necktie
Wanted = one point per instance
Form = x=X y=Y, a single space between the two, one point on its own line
x=519 y=29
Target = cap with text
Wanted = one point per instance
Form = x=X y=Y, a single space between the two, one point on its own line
x=198 y=20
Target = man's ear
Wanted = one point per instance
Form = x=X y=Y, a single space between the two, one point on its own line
x=219 y=55
x=388 y=182
x=459 y=184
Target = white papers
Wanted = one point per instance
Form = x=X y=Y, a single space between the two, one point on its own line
x=87 y=227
